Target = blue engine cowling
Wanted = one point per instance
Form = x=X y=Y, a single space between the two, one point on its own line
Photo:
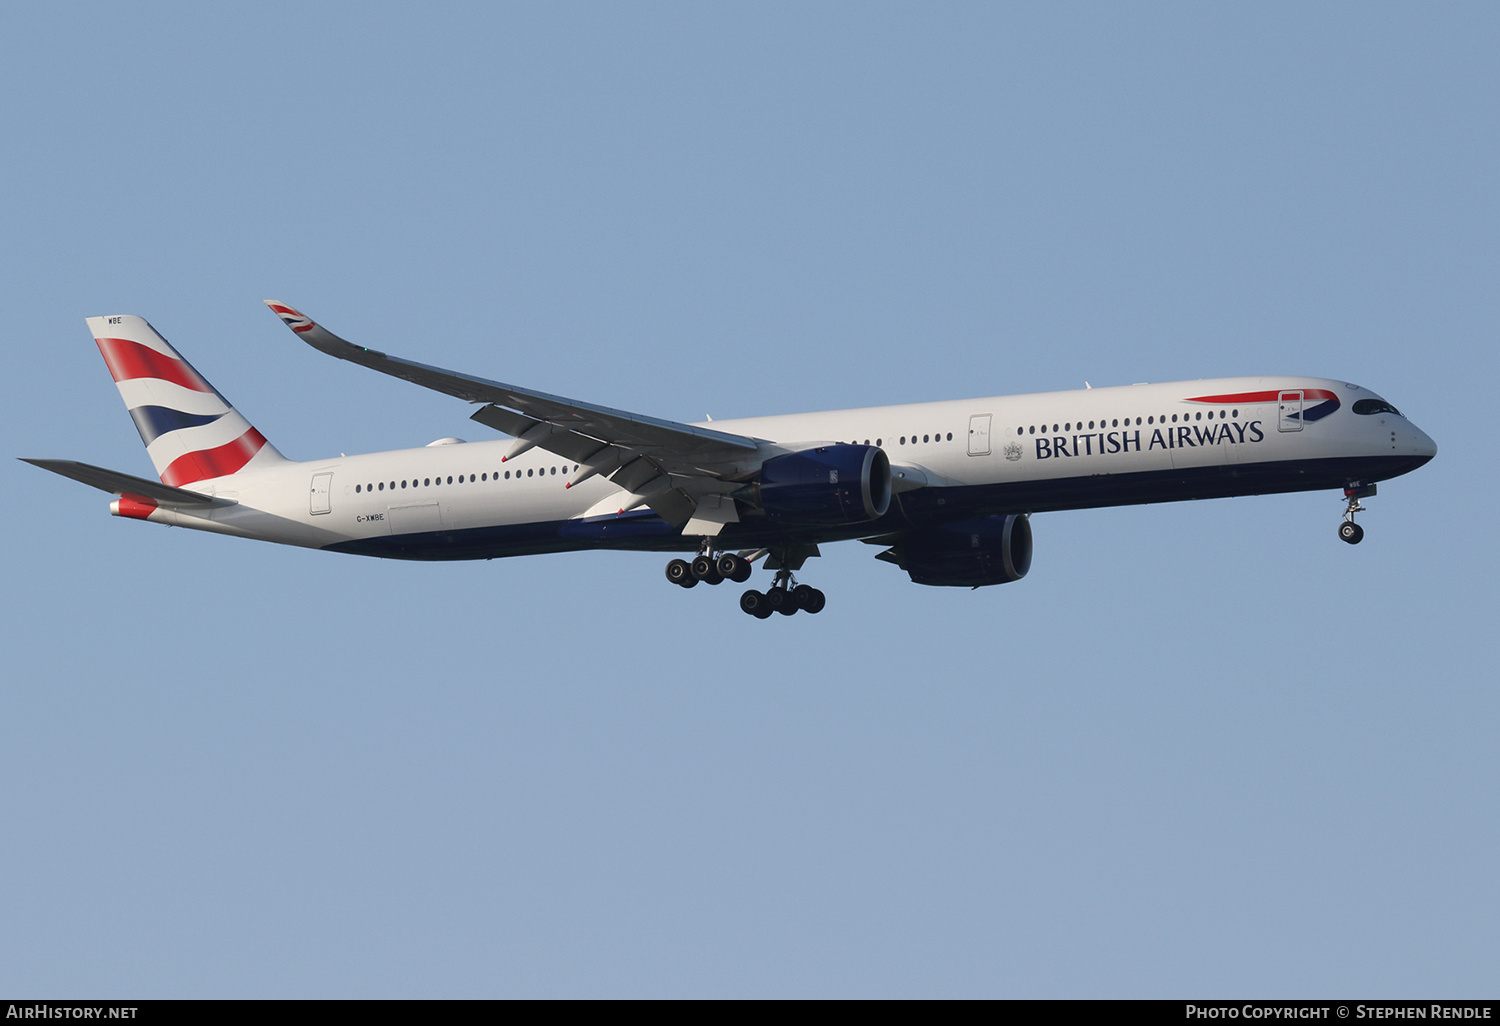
x=832 y=484
x=967 y=554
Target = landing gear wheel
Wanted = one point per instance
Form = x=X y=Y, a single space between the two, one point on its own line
x=754 y=603
x=733 y=568
x=1351 y=532
x=778 y=600
x=680 y=573
x=809 y=598
x=705 y=570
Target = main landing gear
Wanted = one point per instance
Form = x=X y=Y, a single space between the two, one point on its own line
x=710 y=568
x=1349 y=531
x=785 y=596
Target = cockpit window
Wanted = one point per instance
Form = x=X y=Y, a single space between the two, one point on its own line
x=1365 y=407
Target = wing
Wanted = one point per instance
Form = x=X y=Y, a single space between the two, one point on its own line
x=669 y=466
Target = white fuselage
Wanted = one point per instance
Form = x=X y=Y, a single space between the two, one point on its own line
x=1005 y=454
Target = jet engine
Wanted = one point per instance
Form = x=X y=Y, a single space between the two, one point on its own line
x=968 y=553
x=832 y=484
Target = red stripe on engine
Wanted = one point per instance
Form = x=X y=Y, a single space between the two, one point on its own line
x=127 y=360
x=226 y=459
x=1263 y=397
x=135 y=506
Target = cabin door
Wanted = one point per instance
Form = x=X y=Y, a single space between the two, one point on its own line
x=322 y=485
x=979 y=434
x=1289 y=411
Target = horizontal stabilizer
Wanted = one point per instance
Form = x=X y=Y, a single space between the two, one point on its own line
x=116 y=483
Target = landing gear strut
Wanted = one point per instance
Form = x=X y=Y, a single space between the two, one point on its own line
x=1349 y=531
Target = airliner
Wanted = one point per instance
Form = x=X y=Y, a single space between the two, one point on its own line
x=945 y=489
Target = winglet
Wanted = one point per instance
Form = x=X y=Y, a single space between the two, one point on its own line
x=295 y=319
x=317 y=336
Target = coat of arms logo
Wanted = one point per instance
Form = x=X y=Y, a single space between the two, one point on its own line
x=1013 y=451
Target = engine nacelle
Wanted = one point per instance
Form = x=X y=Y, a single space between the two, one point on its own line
x=832 y=484
x=968 y=554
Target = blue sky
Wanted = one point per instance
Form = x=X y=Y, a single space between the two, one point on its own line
x=1203 y=749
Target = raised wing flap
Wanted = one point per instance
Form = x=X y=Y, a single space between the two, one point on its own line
x=530 y=432
x=507 y=421
x=116 y=483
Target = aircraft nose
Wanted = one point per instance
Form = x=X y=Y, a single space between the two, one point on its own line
x=1422 y=444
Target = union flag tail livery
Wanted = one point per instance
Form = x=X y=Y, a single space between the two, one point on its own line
x=189 y=429
x=946 y=489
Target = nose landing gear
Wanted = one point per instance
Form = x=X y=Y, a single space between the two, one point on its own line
x=1349 y=531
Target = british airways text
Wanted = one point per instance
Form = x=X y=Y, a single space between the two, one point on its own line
x=1182 y=436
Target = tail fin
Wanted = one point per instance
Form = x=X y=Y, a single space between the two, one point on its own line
x=190 y=430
